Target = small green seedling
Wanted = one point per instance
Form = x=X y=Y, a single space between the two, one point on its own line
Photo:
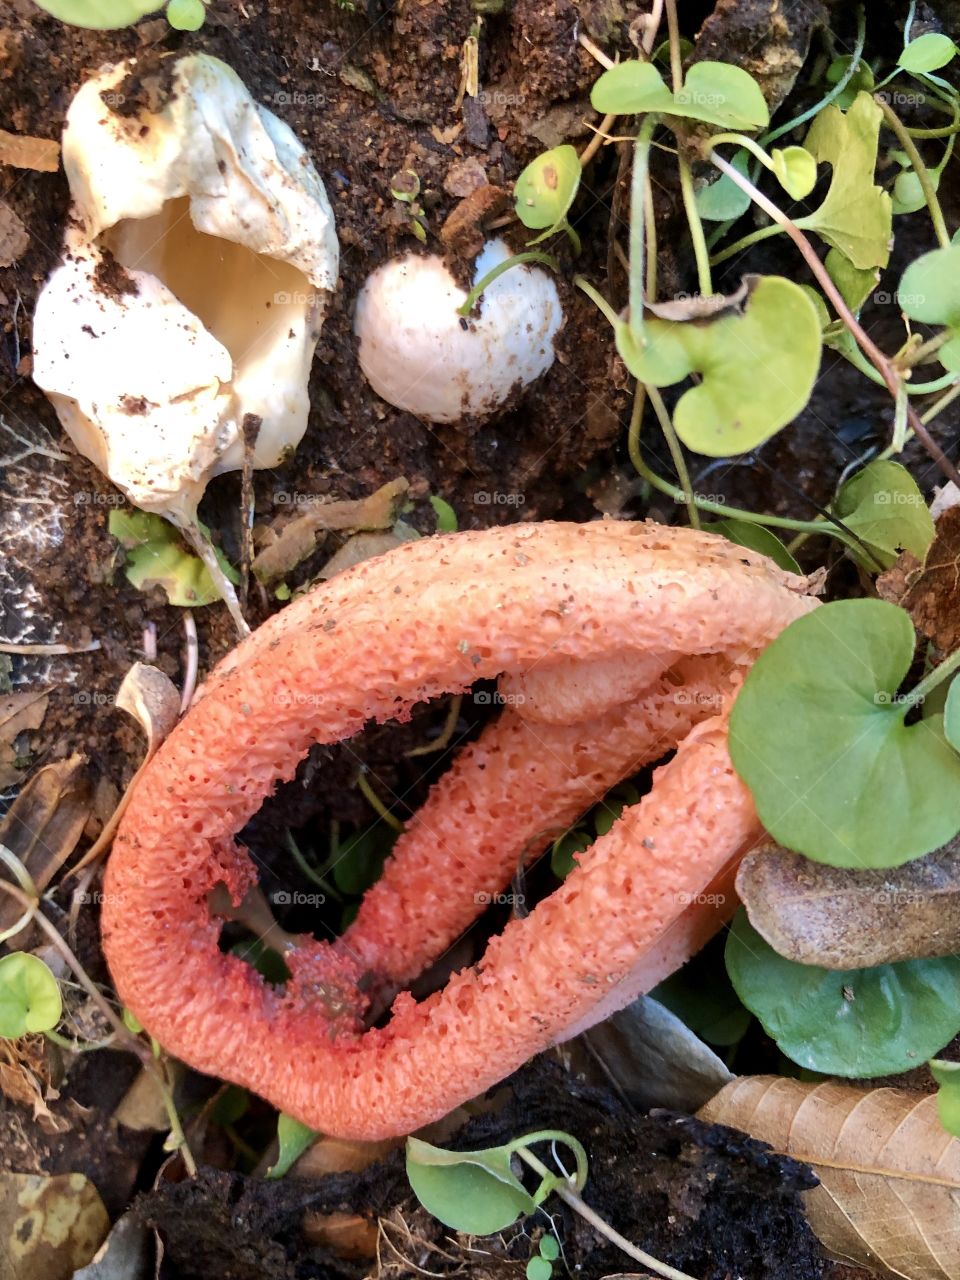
x=447 y=521
x=156 y=557
x=947 y=1076
x=713 y=92
x=846 y=1022
x=293 y=1139
x=113 y=15
x=758 y=366
x=477 y=1192
x=540 y=1266
x=30 y=998
x=405 y=187
x=927 y=53
x=545 y=191
x=819 y=734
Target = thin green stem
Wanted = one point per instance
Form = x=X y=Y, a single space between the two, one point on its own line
x=313 y=876
x=638 y=192
x=933 y=678
x=576 y=1202
x=855 y=356
x=676 y=453
x=598 y=299
x=762 y=233
x=890 y=375
x=376 y=803
x=920 y=169
x=700 y=250
x=79 y=1046
x=741 y=140
x=834 y=93
x=930 y=348
x=676 y=55
x=520 y=1145
x=937 y=407
x=531 y=255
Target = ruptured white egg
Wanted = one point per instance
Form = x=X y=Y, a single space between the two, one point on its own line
x=418 y=354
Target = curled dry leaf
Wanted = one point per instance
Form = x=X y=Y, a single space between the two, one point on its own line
x=14 y=237
x=300 y=537
x=19 y=713
x=364 y=546
x=889 y=1174
x=649 y=1056
x=151 y=698
x=930 y=592
x=44 y=824
x=843 y=919
x=21 y=152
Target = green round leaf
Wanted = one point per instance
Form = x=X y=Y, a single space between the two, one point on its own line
x=29 y=996
x=720 y=93
x=446 y=516
x=947 y=1076
x=846 y=1022
x=930 y=288
x=549 y=1248
x=862 y=79
x=796 y=170
x=547 y=188
x=562 y=859
x=630 y=88
x=929 y=52
x=360 y=858
x=818 y=735
x=663 y=359
x=908 y=194
x=186 y=15
x=539 y=1269
x=758 y=369
x=949 y=355
x=99 y=15
x=747 y=534
x=883 y=505
x=714 y=92
x=471 y=1191
x=723 y=200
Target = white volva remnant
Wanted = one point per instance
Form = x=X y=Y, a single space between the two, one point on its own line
x=199 y=259
x=418 y=354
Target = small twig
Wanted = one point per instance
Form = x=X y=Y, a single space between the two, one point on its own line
x=446 y=735
x=676 y=56
x=600 y=136
x=191 y=660
x=252 y=423
x=150 y=642
x=47 y=650
x=595 y=52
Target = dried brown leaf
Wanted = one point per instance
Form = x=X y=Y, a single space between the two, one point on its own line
x=347 y=1235
x=300 y=537
x=14 y=237
x=889 y=1191
x=19 y=712
x=44 y=823
x=930 y=592
x=23 y=152
x=362 y=546
x=151 y=697
x=844 y=919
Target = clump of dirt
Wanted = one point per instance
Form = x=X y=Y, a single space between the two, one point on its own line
x=703 y=1198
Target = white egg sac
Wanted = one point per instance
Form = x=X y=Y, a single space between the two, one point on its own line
x=199 y=258
x=420 y=355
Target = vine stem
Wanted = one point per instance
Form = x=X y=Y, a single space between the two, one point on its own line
x=935 y=677
x=533 y=255
x=937 y=407
x=919 y=167
x=129 y=1041
x=638 y=192
x=700 y=250
x=576 y=1202
x=676 y=453
x=886 y=370
x=676 y=57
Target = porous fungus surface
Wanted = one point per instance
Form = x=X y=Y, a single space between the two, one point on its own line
x=429 y=618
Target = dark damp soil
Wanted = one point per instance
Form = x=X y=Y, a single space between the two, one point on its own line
x=373 y=90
